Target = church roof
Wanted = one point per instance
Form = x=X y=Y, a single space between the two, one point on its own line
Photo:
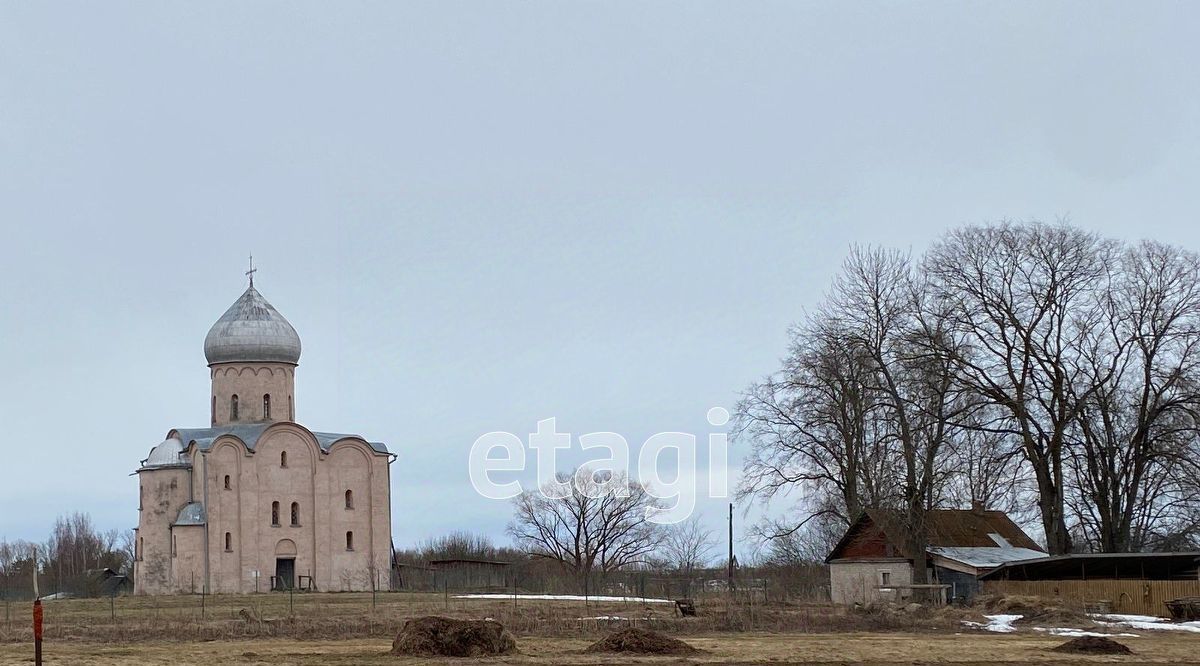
x=252 y=330
x=250 y=433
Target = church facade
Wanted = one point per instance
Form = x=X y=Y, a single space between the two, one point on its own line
x=256 y=501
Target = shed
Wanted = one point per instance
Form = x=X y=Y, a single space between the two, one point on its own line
x=1134 y=583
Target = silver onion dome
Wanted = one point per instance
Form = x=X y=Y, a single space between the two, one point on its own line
x=252 y=330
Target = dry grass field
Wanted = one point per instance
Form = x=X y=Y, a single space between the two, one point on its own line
x=344 y=629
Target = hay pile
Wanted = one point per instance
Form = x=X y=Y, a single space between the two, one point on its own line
x=434 y=636
x=641 y=641
x=1093 y=645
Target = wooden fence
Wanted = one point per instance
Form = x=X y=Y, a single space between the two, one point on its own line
x=1137 y=597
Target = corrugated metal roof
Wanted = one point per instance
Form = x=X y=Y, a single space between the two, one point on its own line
x=985 y=557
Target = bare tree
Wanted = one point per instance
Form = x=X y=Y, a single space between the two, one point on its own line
x=687 y=546
x=602 y=524
x=815 y=432
x=1136 y=440
x=1022 y=297
x=894 y=321
x=862 y=411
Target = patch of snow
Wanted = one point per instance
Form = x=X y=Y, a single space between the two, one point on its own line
x=1079 y=633
x=565 y=597
x=1117 y=617
x=1147 y=623
x=602 y=617
x=1000 y=624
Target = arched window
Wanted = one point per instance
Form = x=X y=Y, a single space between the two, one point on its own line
x=267 y=406
x=228 y=541
x=141 y=548
x=233 y=408
x=174 y=545
x=283 y=458
x=295 y=514
x=349 y=540
x=227 y=486
x=213 y=415
x=349 y=499
x=275 y=514
x=291 y=410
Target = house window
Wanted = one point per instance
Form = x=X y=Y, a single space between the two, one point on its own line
x=283 y=459
x=233 y=408
x=349 y=540
x=295 y=514
x=885 y=578
x=275 y=514
x=228 y=542
x=349 y=499
x=267 y=406
x=227 y=486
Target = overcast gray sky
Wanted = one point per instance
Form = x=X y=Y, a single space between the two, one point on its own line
x=478 y=215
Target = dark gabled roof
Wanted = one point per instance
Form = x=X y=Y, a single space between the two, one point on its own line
x=946 y=528
x=1108 y=566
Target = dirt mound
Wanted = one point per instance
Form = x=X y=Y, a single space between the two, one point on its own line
x=641 y=641
x=434 y=636
x=1032 y=610
x=1093 y=645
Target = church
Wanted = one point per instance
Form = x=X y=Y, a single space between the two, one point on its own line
x=256 y=501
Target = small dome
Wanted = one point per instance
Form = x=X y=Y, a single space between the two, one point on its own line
x=252 y=330
x=167 y=453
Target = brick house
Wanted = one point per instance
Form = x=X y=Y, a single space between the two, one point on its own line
x=870 y=562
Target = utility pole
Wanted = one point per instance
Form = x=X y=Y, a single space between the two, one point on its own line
x=729 y=563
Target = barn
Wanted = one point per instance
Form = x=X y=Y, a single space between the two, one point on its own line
x=870 y=562
x=1131 y=583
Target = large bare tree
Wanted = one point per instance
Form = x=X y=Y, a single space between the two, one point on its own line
x=601 y=525
x=1022 y=298
x=1136 y=436
x=815 y=432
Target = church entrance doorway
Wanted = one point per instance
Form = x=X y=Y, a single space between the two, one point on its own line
x=285 y=573
x=285 y=565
